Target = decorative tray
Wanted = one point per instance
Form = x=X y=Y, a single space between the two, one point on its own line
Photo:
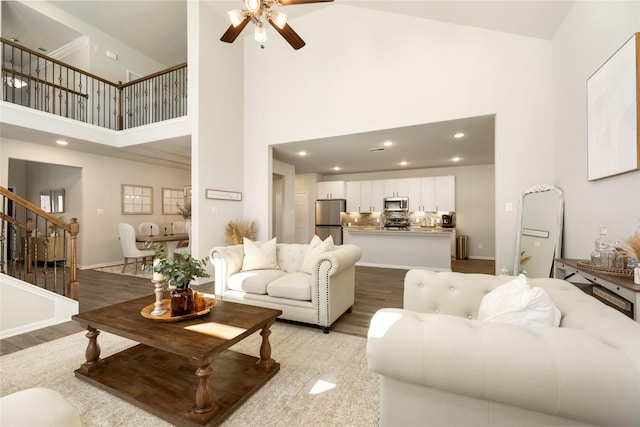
x=606 y=270
x=166 y=317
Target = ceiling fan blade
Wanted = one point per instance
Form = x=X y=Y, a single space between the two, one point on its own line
x=232 y=32
x=289 y=35
x=290 y=2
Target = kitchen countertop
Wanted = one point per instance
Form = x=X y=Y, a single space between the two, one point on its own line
x=416 y=230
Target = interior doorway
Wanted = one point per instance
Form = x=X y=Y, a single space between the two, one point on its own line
x=301 y=210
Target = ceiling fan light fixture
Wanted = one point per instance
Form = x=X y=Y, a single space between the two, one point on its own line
x=278 y=18
x=260 y=33
x=236 y=17
x=252 y=5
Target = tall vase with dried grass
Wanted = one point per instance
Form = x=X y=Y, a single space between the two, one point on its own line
x=236 y=230
x=631 y=247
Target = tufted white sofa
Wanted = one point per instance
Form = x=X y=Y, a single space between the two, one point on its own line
x=440 y=366
x=318 y=298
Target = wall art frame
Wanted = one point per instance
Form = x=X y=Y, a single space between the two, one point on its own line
x=137 y=199
x=613 y=114
x=223 y=195
x=172 y=199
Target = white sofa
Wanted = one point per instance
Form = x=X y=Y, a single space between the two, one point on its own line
x=318 y=298
x=440 y=366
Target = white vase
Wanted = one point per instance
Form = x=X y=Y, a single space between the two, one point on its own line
x=636 y=275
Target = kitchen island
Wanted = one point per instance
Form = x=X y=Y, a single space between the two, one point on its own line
x=424 y=247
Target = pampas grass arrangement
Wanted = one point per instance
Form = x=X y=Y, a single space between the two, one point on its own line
x=631 y=246
x=236 y=230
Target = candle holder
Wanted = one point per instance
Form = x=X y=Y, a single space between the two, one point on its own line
x=159 y=289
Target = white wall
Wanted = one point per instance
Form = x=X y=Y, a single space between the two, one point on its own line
x=590 y=34
x=93 y=56
x=376 y=70
x=101 y=180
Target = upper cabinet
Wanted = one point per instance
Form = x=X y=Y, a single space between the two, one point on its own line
x=432 y=194
x=445 y=193
x=365 y=196
x=330 y=190
x=396 y=187
x=428 y=194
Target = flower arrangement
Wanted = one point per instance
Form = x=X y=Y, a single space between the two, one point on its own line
x=236 y=230
x=185 y=211
x=631 y=246
x=176 y=271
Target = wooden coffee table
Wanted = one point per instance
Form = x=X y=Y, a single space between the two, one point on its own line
x=181 y=371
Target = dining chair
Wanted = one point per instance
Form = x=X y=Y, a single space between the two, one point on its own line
x=178 y=227
x=129 y=248
x=148 y=229
x=179 y=249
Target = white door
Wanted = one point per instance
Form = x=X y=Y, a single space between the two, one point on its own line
x=301 y=211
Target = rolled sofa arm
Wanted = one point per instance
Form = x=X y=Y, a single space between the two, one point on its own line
x=226 y=260
x=339 y=259
x=560 y=371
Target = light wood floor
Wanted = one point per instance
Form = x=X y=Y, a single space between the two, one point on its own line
x=376 y=288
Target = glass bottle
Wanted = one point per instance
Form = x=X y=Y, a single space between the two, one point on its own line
x=598 y=256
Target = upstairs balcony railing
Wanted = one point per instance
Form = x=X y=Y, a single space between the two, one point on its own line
x=36 y=81
x=37 y=247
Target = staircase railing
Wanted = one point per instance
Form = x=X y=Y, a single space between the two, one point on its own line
x=36 y=247
x=37 y=81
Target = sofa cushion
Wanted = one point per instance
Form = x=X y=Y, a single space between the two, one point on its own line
x=259 y=256
x=517 y=303
x=254 y=281
x=316 y=248
x=293 y=286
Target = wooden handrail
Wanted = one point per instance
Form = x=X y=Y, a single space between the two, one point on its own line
x=30 y=206
x=30 y=77
x=154 y=75
x=55 y=61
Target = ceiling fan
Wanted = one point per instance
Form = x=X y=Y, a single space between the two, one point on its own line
x=255 y=11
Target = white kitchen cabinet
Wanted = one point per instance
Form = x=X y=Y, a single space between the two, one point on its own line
x=365 y=196
x=445 y=193
x=353 y=196
x=413 y=193
x=436 y=193
x=330 y=190
x=396 y=187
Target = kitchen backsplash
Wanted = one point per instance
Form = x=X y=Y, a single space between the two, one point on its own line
x=376 y=219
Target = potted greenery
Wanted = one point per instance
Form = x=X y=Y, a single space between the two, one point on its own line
x=178 y=272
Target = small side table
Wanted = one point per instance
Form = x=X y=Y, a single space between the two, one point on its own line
x=619 y=285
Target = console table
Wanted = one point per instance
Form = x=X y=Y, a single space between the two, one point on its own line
x=620 y=285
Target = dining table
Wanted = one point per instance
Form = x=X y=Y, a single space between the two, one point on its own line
x=169 y=241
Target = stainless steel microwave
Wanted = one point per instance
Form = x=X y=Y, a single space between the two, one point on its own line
x=396 y=204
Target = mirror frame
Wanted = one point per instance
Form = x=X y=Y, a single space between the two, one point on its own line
x=557 y=252
x=52 y=201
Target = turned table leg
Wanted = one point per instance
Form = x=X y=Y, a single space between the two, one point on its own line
x=265 y=349
x=92 y=353
x=204 y=393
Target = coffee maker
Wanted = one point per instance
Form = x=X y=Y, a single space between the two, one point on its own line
x=448 y=220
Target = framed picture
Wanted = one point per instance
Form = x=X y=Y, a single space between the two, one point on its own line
x=613 y=114
x=223 y=195
x=172 y=199
x=137 y=200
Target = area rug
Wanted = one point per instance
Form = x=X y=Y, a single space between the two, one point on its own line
x=323 y=380
x=129 y=270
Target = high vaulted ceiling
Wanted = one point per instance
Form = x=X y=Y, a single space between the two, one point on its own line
x=164 y=38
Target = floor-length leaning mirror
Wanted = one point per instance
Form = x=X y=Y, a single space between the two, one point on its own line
x=539 y=237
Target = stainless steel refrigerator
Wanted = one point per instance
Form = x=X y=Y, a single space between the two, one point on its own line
x=328 y=219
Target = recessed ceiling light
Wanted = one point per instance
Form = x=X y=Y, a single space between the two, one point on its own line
x=302 y=153
x=61 y=142
x=387 y=143
x=404 y=163
x=456 y=159
x=458 y=135
x=337 y=168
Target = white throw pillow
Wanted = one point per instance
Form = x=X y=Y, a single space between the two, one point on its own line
x=259 y=256
x=517 y=303
x=316 y=248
